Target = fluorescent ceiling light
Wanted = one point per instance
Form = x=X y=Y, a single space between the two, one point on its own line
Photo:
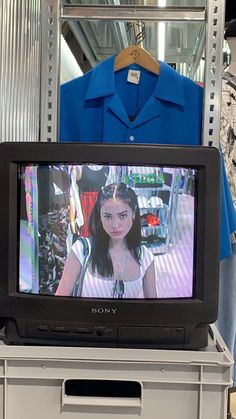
x=161 y=34
x=70 y=69
x=161 y=40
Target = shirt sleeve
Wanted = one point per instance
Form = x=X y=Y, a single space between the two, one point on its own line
x=146 y=258
x=69 y=105
x=77 y=248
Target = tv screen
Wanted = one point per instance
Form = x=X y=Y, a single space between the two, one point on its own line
x=119 y=225
x=109 y=245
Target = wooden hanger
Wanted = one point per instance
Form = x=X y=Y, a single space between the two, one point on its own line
x=134 y=54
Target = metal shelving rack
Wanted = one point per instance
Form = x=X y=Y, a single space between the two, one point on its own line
x=212 y=392
x=53 y=13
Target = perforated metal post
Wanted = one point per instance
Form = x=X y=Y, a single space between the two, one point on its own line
x=213 y=72
x=50 y=69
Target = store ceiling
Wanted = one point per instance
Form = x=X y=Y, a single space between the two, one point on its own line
x=94 y=41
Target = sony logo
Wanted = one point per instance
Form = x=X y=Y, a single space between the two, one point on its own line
x=101 y=310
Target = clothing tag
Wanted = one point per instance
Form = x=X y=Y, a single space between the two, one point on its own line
x=133 y=76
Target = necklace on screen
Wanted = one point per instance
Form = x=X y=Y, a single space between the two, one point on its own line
x=118 y=288
x=120 y=263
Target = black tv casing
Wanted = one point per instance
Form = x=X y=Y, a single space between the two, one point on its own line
x=162 y=323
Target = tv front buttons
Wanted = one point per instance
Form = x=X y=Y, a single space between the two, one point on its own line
x=42 y=328
x=83 y=330
x=60 y=329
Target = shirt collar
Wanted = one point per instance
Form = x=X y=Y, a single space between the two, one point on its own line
x=102 y=81
x=169 y=85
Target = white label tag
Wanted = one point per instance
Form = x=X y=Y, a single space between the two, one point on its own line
x=134 y=76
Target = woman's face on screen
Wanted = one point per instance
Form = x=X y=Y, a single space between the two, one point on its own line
x=117 y=218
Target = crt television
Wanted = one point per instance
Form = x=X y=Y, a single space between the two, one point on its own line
x=109 y=245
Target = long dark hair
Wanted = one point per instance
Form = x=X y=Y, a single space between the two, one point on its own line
x=100 y=258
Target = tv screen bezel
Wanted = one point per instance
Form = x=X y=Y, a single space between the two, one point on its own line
x=200 y=309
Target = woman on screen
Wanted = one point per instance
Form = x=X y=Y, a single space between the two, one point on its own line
x=113 y=263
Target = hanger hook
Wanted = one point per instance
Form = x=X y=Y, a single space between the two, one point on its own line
x=138 y=31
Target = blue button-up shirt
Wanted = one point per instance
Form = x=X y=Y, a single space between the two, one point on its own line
x=103 y=106
x=97 y=106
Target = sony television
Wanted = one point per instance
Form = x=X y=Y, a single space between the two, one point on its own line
x=109 y=245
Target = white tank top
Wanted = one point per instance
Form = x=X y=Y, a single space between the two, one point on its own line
x=95 y=287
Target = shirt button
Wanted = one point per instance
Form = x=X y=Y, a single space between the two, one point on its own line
x=131 y=138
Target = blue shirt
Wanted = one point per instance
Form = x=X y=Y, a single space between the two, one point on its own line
x=102 y=106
